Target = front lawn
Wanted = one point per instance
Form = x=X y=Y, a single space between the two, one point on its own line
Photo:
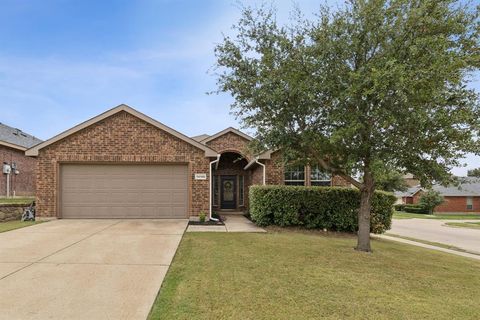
x=307 y=275
x=470 y=225
x=406 y=215
x=17 y=200
x=16 y=224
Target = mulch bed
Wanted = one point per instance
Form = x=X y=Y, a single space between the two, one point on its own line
x=206 y=223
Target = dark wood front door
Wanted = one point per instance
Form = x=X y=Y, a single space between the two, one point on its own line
x=228 y=192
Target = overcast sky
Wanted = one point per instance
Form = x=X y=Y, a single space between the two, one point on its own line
x=63 y=62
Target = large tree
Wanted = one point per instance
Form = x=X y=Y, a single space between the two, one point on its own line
x=378 y=80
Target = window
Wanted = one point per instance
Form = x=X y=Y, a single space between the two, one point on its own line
x=240 y=191
x=318 y=177
x=469 y=203
x=295 y=176
x=216 y=191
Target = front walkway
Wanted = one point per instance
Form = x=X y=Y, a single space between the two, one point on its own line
x=85 y=269
x=233 y=223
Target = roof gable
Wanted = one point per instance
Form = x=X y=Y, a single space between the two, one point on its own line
x=225 y=131
x=34 y=151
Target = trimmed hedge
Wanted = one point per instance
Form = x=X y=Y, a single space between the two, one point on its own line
x=331 y=208
x=415 y=208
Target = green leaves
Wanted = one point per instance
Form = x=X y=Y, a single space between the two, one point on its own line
x=375 y=81
x=317 y=207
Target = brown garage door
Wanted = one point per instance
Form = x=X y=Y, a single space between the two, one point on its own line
x=123 y=191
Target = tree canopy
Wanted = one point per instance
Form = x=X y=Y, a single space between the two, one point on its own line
x=474 y=172
x=373 y=80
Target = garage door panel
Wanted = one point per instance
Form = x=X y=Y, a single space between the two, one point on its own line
x=124 y=191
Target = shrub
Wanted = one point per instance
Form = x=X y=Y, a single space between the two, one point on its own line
x=331 y=208
x=431 y=199
x=415 y=208
x=399 y=207
x=202 y=216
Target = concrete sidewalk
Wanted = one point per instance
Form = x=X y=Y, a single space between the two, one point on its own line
x=233 y=223
x=427 y=246
x=436 y=231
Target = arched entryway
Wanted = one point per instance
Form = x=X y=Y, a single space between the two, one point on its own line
x=230 y=183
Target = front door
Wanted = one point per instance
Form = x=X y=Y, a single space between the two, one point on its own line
x=228 y=192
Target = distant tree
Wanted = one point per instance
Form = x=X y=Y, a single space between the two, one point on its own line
x=388 y=179
x=430 y=200
x=474 y=172
x=374 y=80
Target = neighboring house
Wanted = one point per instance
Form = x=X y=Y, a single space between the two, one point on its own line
x=124 y=164
x=409 y=196
x=410 y=180
x=464 y=198
x=21 y=180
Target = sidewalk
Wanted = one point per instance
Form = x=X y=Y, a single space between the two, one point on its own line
x=428 y=246
x=233 y=223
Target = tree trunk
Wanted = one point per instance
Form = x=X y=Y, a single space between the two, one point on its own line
x=366 y=194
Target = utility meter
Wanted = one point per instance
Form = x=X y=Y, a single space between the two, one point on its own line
x=6 y=168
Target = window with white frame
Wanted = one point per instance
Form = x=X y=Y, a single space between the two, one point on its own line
x=294 y=176
x=469 y=203
x=318 y=177
x=241 y=187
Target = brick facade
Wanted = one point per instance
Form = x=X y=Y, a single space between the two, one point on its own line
x=22 y=184
x=230 y=142
x=451 y=204
x=124 y=137
x=120 y=138
x=458 y=204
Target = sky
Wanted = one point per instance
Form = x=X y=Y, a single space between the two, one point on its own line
x=63 y=62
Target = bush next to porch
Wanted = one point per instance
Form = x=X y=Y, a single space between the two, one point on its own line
x=317 y=207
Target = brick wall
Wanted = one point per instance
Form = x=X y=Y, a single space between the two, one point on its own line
x=458 y=204
x=119 y=138
x=24 y=183
x=230 y=142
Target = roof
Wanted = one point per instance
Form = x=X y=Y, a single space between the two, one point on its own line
x=16 y=138
x=123 y=107
x=469 y=186
x=227 y=130
x=200 y=137
x=410 y=192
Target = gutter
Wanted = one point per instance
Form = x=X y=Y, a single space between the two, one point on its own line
x=210 y=193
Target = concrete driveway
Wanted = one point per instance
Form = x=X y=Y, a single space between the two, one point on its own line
x=436 y=231
x=85 y=269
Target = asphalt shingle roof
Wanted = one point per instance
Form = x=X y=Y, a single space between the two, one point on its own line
x=468 y=186
x=17 y=136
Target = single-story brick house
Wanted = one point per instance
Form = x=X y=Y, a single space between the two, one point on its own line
x=18 y=170
x=464 y=198
x=124 y=164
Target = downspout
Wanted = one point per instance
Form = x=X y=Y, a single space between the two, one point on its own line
x=263 y=167
x=210 y=193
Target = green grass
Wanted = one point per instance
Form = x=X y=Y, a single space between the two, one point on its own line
x=406 y=215
x=470 y=225
x=307 y=275
x=16 y=224
x=17 y=200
